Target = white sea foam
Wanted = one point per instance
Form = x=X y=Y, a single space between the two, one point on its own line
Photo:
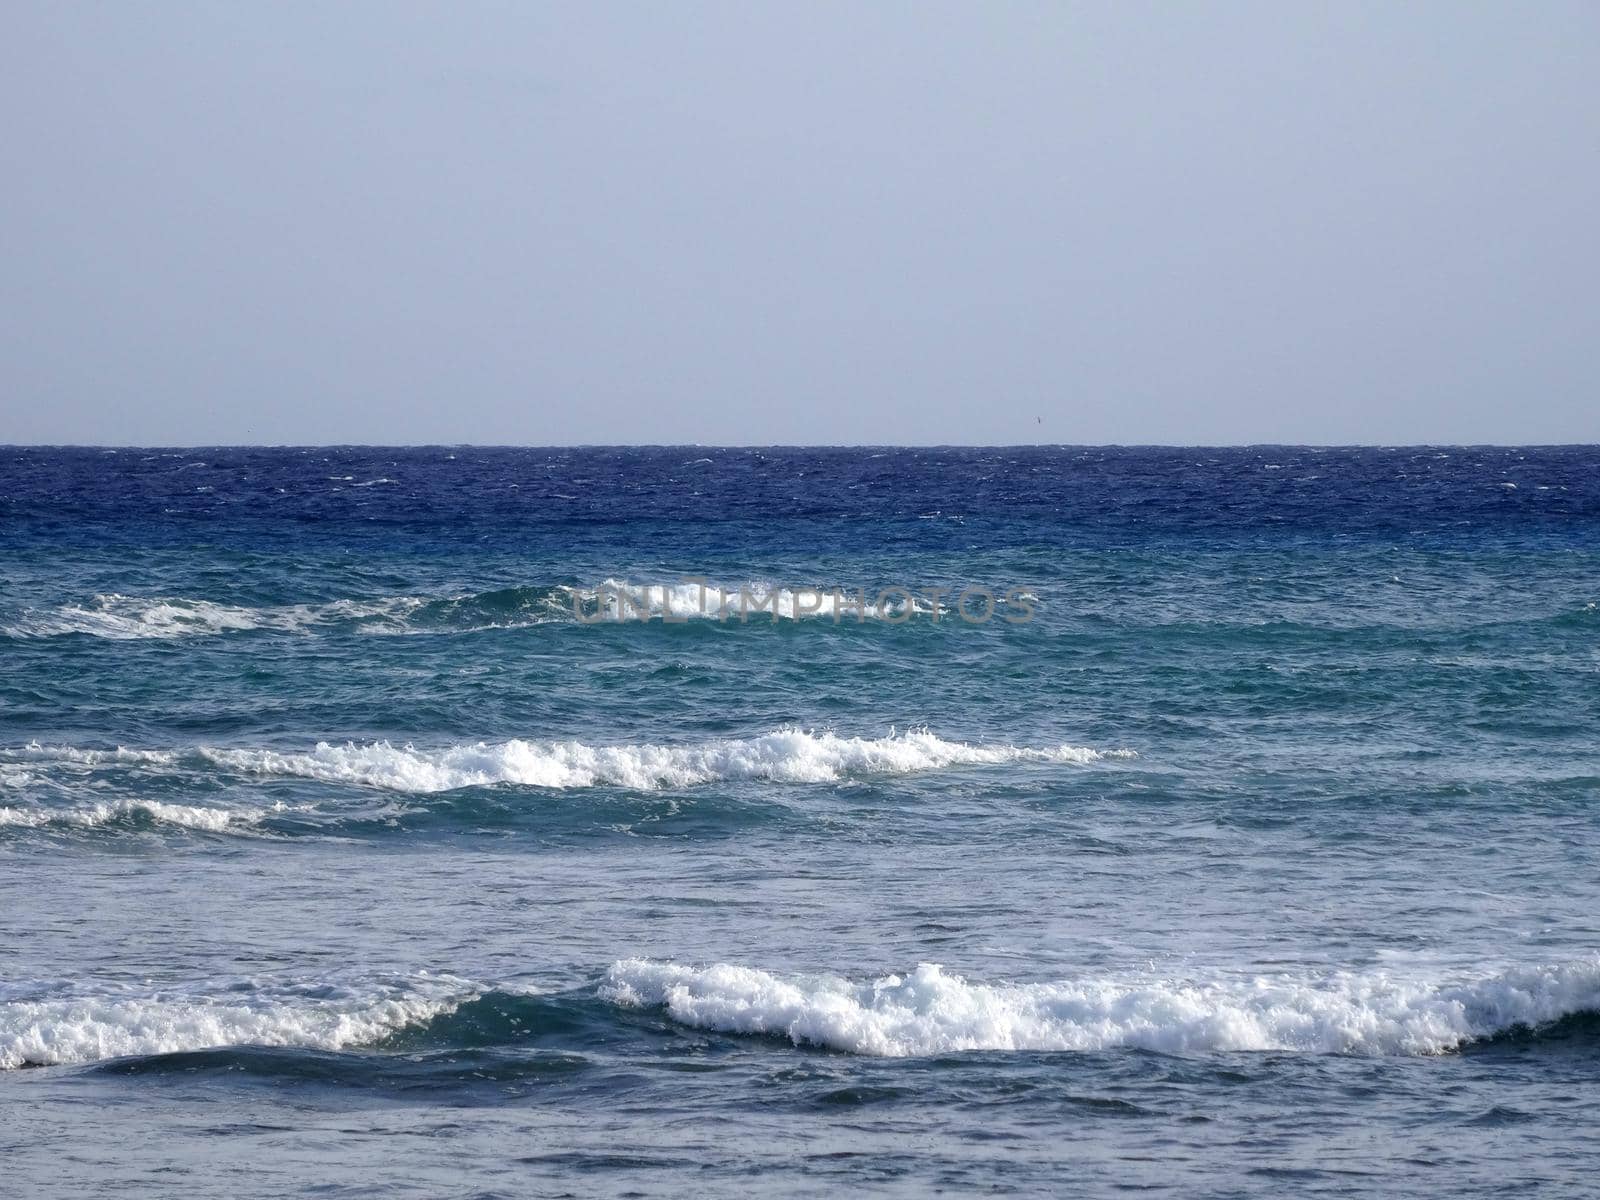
x=131 y=618
x=115 y=1024
x=929 y=1011
x=13 y=775
x=187 y=816
x=72 y=756
x=786 y=756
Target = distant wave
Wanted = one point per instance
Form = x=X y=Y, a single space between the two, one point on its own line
x=784 y=756
x=616 y=600
x=930 y=1011
x=132 y=618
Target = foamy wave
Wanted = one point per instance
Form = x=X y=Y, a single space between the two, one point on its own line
x=72 y=756
x=786 y=756
x=931 y=1012
x=91 y=1028
x=131 y=618
x=187 y=816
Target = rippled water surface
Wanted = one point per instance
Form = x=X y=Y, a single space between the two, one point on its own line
x=349 y=844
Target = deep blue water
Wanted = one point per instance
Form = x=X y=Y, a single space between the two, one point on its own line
x=349 y=845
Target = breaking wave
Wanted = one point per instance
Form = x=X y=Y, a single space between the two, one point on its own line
x=925 y=1012
x=63 y=1029
x=785 y=756
x=931 y=1011
x=186 y=816
x=131 y=618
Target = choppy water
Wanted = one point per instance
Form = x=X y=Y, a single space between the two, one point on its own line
x=347 y=847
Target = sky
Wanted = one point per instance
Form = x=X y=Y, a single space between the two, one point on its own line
x=801 y=223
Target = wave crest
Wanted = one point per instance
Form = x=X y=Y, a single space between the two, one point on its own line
x=132 y=618
x=930 y=1011
x=927 y=1011
x=186 y=816
x=785 y=756
x=91 y=1028
x=135 y=618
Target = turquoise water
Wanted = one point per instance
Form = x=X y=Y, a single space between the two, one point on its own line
x=350 y=843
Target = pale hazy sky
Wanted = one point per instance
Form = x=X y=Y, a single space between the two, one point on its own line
x=802 y=222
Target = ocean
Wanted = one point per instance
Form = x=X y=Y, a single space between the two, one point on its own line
x=727 y=822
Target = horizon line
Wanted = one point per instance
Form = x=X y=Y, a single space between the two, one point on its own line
x=720 y=446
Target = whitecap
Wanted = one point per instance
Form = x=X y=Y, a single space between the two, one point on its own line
x=73 y=756
x=185 y=816
x=116 y=1023
x=129 y=618
x=931 y=1011
x=784 y=756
